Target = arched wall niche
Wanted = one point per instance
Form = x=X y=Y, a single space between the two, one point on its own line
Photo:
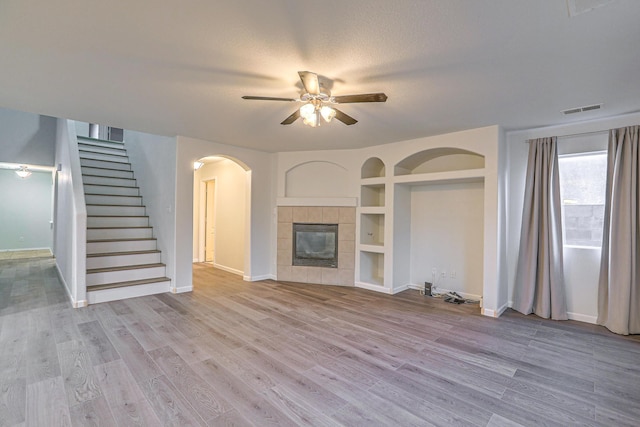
x=372 y=168
x=317 y=179
x=439 y=160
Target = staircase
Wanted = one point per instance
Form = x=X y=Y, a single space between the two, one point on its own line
x=122 y=256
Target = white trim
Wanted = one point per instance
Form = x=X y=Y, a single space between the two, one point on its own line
x=372 y=287
x=583 y=318
x=494 y=313
x=400 y=289
x=196 y=260
x=180 y=290
x=259 y=278
x=114 y=294
x=27 y=249
x=74 y=304
x=229 y=269
x=317 y=201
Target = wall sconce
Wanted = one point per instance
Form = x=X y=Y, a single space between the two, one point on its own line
x=23 y=172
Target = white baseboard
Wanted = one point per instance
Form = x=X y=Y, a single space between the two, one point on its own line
x=196 y=260
x=400 y=289
x=583 y=318
x=181 y=289
x=494 y=313
x=258 y=278
x=228 y=269
x=441 y=290
x=372 y=287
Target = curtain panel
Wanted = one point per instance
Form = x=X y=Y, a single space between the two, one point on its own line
x=539 y=286
x=619 y=282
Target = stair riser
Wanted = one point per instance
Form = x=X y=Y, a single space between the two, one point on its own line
x=114 y=221
x=100 y=143
x=99 y=156
x=111 y=190
x=119 y=233
x=112 y=200
x=116 y=210
x=122 y=260
x=107 y=172
x=124 y=275
x=106 y=165
x=105 y=295
x=120 y=246
x=102 y=150
x=101 y=180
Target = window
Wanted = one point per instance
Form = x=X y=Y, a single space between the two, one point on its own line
x=582 y=189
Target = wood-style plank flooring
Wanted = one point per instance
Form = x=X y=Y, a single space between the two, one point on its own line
x=269 y=353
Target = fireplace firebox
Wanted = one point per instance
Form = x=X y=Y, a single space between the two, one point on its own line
x=315 y=245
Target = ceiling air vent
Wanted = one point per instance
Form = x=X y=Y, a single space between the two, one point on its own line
x=582 y=109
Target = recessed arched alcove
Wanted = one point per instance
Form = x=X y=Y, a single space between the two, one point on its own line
x=316 y=179
x=372 y=168
x=444 y=159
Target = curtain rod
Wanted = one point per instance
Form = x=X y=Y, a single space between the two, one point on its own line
x=574 y=134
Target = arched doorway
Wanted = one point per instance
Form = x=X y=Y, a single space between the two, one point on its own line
x=221 y=214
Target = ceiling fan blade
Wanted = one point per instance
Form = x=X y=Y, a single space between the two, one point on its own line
x=345 y=118
x=292 y=118
x=310 y=82
x=267 y=98
x=365 y=97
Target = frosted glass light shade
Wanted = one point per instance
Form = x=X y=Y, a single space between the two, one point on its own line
x=23 y=172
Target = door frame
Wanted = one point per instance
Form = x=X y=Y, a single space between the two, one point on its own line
x=202 y=217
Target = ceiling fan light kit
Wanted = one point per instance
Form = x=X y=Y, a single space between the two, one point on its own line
x=319 y=106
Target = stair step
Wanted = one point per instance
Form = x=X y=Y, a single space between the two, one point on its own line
x=96 y=141
x=103 y=233
x=120 y=245
x=113 y=173
x=112 y=190
x=115 y=210
x=99 y=156
x=117 y=221
x=103 y=180
x=110 y=199
x=100 y=276
x=105 y=164
x=122 y=259
x=129 y=289
x=93 y=148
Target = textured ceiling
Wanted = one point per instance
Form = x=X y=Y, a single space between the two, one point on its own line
x=180 y=67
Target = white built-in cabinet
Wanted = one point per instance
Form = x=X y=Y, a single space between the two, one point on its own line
x=383 y=243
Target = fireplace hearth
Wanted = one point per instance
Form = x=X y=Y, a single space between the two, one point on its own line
x=315 y=245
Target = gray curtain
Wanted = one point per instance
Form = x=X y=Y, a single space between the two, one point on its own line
x=619 y=285
x=539 y=286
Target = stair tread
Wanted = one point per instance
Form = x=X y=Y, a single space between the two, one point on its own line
x=134 y=239
x=107 y=169
x=154 y=251
x=105 y=176
x=110 y=195
x=101 y=160
x=88 y=138
x=125 y=284
x=124 y=267
x=113 y=186
x=118 y=216
x=88 y=147
x=97 y=152
x=119 y=228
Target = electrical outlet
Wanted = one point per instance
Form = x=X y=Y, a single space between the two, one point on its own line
x=434 y=271
x=452 y=274
x=444 y=273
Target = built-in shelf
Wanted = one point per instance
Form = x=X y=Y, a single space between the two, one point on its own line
x=377 y=210
x=372 y=229
x=468 y=175
x=373 y=167
x=373 y=181
x=378 y=249
x=372 y=268
x=372 y=195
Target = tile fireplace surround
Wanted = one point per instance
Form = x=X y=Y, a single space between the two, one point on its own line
x=345 y=217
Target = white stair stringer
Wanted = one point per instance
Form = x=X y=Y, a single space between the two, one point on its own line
x=123 y=260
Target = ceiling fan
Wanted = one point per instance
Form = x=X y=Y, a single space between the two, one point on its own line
x=319 y=104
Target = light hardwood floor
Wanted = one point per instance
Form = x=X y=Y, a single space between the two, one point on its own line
x=269 y=353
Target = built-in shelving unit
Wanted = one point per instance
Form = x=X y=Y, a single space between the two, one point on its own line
x=383 y=263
